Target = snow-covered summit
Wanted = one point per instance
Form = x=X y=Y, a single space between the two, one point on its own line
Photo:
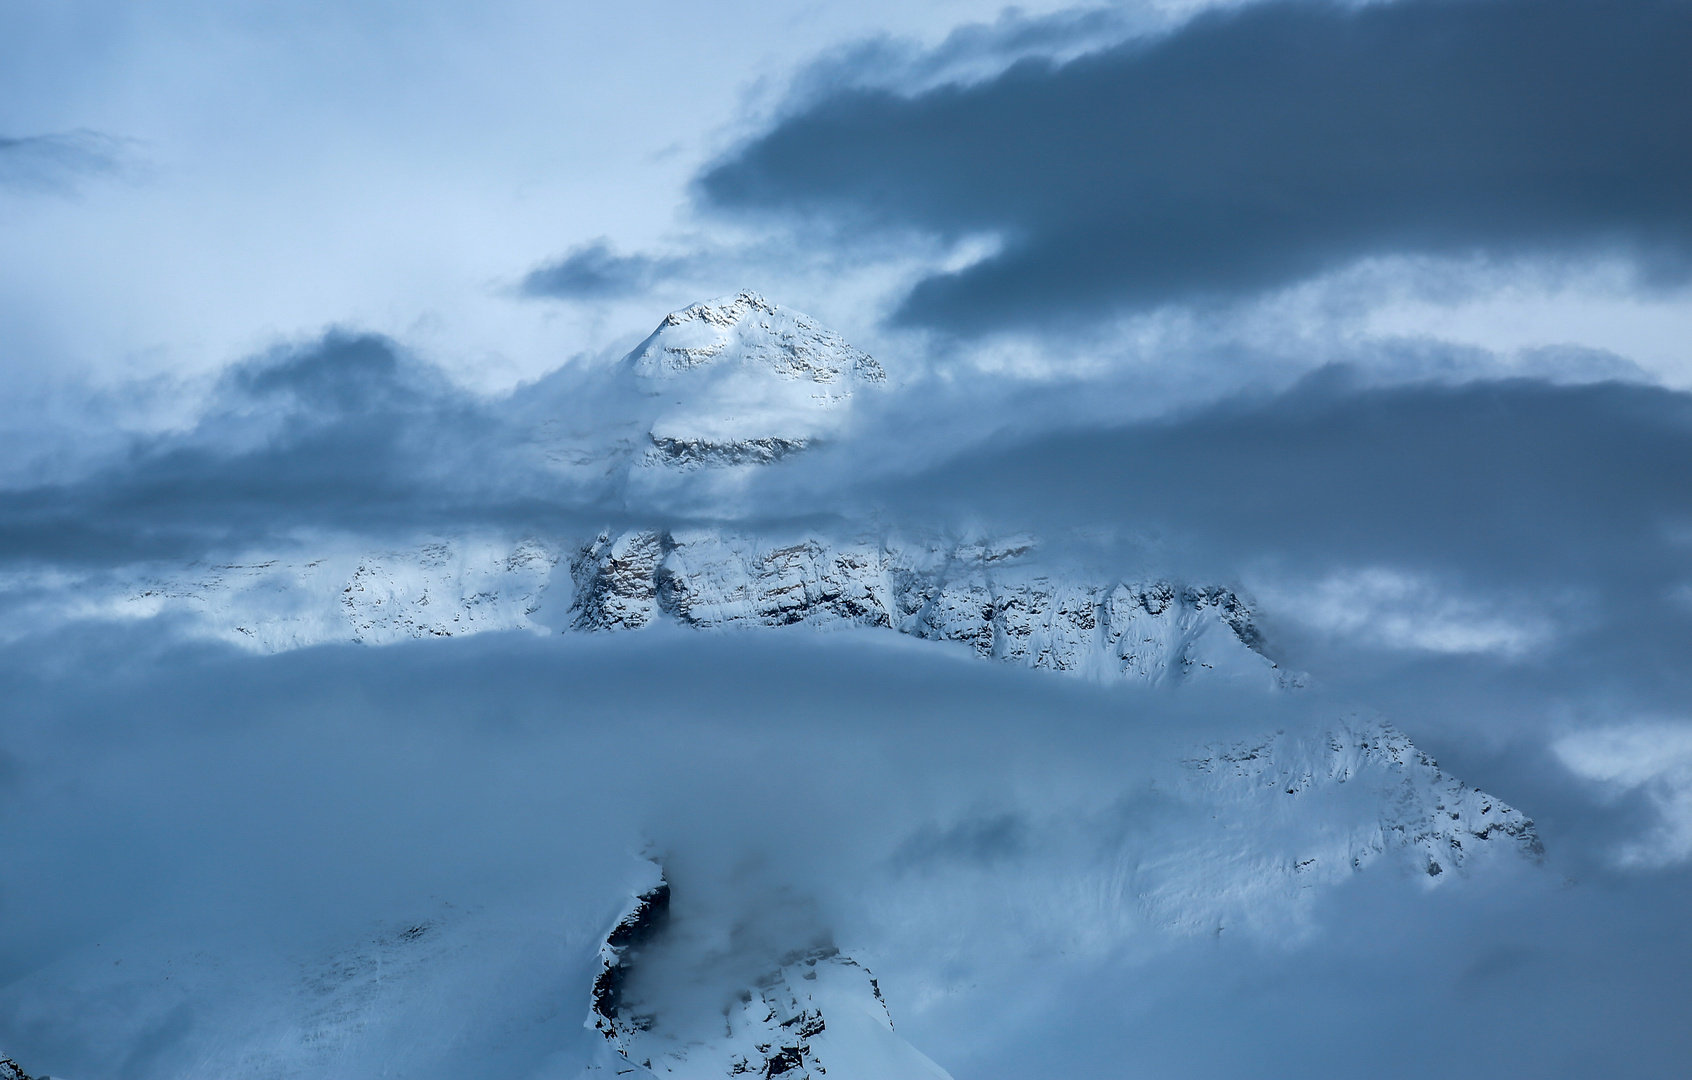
x=746 y=329
x=722 y=385
x=740 y=380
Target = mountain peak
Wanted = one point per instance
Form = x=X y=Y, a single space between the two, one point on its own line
x=746 y=330
x=739 y=380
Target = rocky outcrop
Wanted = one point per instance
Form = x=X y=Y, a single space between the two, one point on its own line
x=639 y=927
x=616 y=581
x=705 y=453
x=813 y=1013
x=995 y=598
x=983 y=595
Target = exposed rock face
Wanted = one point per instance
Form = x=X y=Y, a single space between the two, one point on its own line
x=992 y=597
x=616 y=582
x=639 y=927
x=814 y=1013
x=703 y=453
x=980 y=594
x=11 y=1070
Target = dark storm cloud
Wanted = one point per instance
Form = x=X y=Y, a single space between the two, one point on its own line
x=593 y=271
x=1523 y=500
x=1253 y=148
x=346 y=432
x=969 y=53
x=1519 y=477
x=56 y=163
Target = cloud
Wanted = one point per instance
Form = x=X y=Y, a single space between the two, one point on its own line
x=1256 y=147
x=1436 y=526
x=247 y=833
x=1515 y=480
x=57 y=163
x=1397 y=610
x=980 y=839
x=1400 y=541
x=344 y=432
x=592 y=271
x=973 y=52
x=1652 y=758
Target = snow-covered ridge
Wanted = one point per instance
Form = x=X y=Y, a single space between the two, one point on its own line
x=988 y=596
x=1248 y=834
x=1338 y=801
x=1241 y=837
x=1437 y=821
x=998 y=598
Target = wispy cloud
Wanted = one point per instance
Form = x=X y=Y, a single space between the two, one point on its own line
x=593 y=271
x=59 y=163
x=1394 y=609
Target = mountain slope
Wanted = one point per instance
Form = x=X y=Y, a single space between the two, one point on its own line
x=814 y=1013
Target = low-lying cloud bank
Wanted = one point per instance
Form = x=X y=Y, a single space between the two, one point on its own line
x=290 y=862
